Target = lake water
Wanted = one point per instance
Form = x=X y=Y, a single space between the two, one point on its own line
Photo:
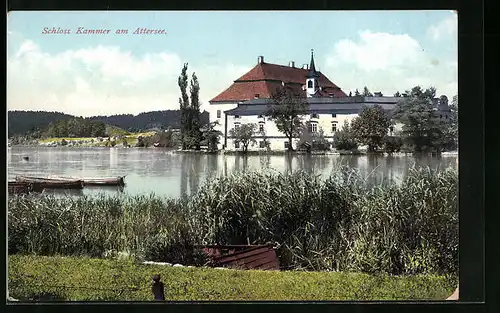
x=169 y=174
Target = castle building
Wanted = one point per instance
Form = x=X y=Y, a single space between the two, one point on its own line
x=248 y=98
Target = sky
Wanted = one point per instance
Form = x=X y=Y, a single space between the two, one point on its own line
x=105 y=74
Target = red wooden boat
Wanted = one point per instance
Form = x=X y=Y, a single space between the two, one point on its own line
x=15 y=187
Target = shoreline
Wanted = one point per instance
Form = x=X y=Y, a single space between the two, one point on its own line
x=249 y=153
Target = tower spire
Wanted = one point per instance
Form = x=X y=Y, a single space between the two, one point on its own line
x=312 y=67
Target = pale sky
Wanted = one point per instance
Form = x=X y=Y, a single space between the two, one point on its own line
x=87 y=75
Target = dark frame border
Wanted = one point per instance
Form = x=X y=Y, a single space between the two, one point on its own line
x=471 y=167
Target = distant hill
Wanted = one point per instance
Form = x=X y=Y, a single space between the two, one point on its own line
x=22 y=122
x=148 y=120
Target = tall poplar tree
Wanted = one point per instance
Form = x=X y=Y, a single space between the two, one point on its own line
x=184 y=105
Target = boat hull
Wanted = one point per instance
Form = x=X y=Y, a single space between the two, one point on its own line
x=39 y=184
x=90 y=181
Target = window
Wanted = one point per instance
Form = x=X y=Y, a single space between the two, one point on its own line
x=236 y=116
x=334 y=127
x=261 y=127
x=218 y=113
x=309 y=84
x=314 y=115
x=236 y=126
x=309 y=127
x=262 y=144
x=441 y=116
x=314 y=127
x=391 y=129
x=236 y=144
x=446 y=116
x=286 y=145
x=334 y=115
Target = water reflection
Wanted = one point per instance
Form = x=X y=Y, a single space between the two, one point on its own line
x=172 y=175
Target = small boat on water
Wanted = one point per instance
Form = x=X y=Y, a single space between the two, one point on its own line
x=94 y=181
x=40 y=183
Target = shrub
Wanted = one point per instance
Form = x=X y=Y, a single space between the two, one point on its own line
x=392 y=144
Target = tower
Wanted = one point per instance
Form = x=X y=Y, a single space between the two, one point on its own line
x=312 y=82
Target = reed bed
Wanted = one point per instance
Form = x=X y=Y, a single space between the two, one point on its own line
x=341 y=223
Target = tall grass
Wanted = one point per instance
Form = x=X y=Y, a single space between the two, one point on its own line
x=341 y=223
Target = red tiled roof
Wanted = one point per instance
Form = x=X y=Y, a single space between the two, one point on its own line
x=265 y=78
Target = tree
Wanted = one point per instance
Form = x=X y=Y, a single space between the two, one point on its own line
x=451 y=126
x=184 y=105
x=313 y=141
x=356 y=93
x=371 y=126
x=189 y=110
x=392 y=144
x=194 y=110
x=244 y=135
x=422 y=128
x=343 y=139
x=211 y=136
x=366 y=92
x=397 y=94
x=286 y=112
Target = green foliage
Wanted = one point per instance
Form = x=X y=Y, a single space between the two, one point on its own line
x=392 y=144
x=366 y=92
x=371 y=126
x=28 y=125
x=191 y=135
x=164 y=139
x=76 y=128
x=344 y=139
x=141 y=143
x=423 y=130
x=338 y=224
x=22 y=122
x=211 y=136
x=85 y=279
x=244 y=135
x=287 y=113
x=450 y=132
x=313 y=141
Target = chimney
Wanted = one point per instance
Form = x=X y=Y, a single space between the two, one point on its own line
x=305 y=66
x=260 y=59
x=292 y=64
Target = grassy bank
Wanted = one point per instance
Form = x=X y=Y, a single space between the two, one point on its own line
x=337 y=224
x=85 y=279
x=93 y=142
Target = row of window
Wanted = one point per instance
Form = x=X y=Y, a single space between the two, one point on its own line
x=262 y=144
x=314 y=115
x=261 y=127
x=312 y=127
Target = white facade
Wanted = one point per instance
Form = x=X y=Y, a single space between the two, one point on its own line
x=327 y=122
x=216 y=114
